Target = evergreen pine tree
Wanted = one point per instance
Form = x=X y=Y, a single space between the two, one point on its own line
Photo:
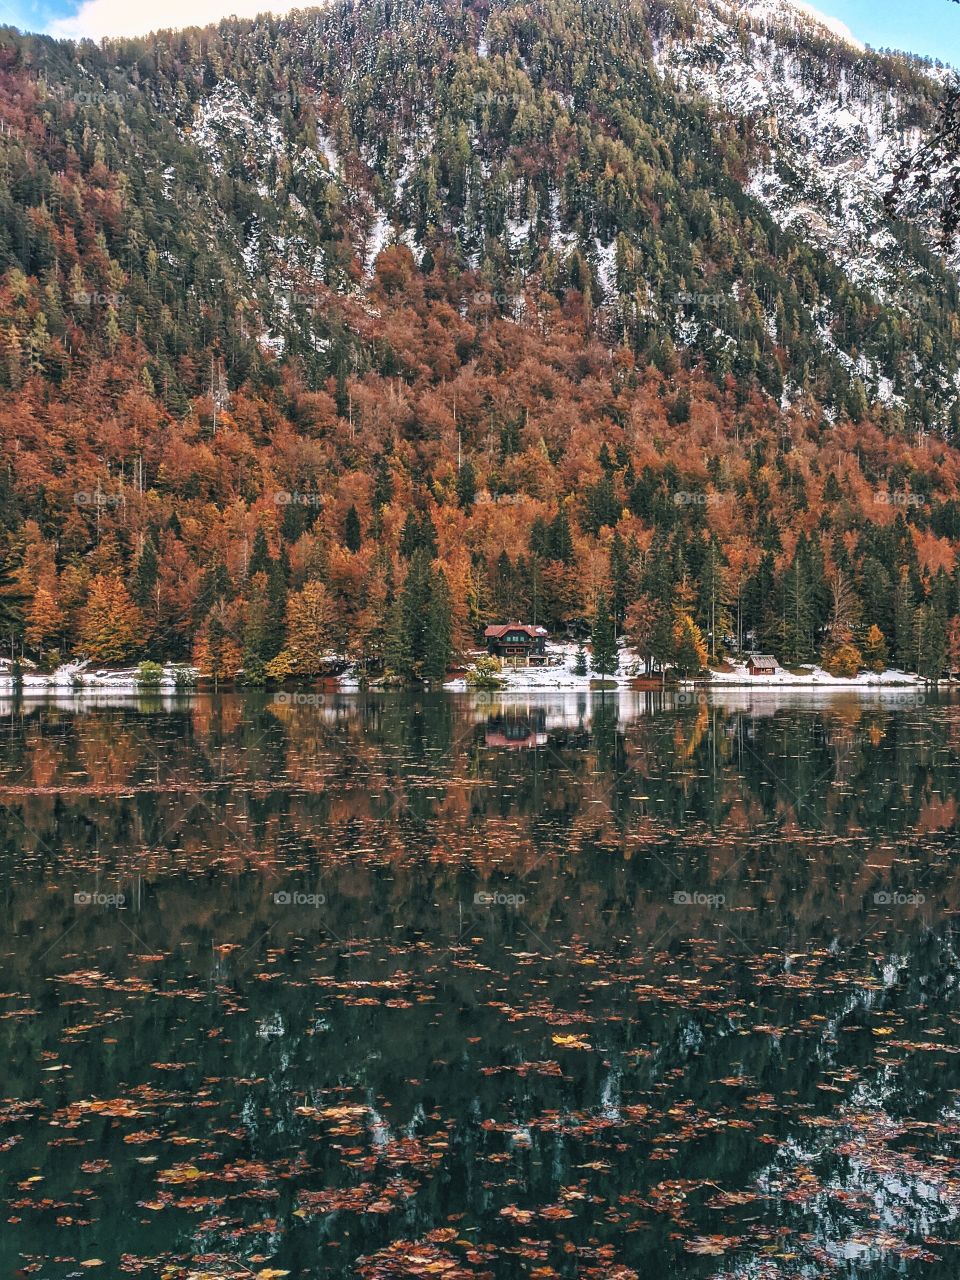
x=467 y=485
x=606 y=658
x=712 y=598
x=396 y=649
x=580 y=661
x=352 y=536
x=903 y=621
x=410 y=536
x=275 y=625
x=619 y=578
x=146 y=574
x=439 y=627
x=259 y=555
x=11 y=601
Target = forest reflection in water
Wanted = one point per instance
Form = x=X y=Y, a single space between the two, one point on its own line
x=451 y=985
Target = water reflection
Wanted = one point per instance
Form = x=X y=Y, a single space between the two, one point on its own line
x=430 y=985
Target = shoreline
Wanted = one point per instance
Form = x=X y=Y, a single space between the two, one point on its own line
x=77 y=680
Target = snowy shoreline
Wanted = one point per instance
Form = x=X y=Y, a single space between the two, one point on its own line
x=564 y=677
x=80 y=680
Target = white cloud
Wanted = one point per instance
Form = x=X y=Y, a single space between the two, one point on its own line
x=833 y=25
x=799 y=11
x=98 y=18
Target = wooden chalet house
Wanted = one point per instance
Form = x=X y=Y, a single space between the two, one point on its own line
x=762 y=664
x=517 y=643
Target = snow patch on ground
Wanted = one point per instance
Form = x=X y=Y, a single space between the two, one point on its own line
x=561 y=676
x=80 y=677
x=811 y=675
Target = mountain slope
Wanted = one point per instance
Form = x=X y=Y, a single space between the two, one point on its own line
x=574 y=282
x=659 y=179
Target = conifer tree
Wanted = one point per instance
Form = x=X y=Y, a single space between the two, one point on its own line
x=111 y=625
x=44 y=618
x=397 y=659
x=352 y=536
x=689 y=651
x=466 y=485
x=11 y=601
x=437 y=640
x=874 y=649
x=605 y=658
x=146 y=574
x=618 y=580
x=275 y=628
x=260 y=554
x=310 y=619
x=903 y=621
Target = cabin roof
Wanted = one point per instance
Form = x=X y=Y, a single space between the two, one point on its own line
x=496 y=630
x=762 y=659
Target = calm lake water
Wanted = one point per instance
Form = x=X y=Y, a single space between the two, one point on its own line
x=452 y=986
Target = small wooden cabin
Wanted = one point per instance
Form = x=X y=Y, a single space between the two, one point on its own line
x=517 y=642
x=762 y=664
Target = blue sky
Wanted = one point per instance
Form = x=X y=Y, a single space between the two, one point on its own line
x=921 y=26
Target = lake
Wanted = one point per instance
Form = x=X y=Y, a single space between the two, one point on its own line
x=402 y=985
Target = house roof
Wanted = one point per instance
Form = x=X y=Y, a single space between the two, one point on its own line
x=497 y=630
x=762 y=659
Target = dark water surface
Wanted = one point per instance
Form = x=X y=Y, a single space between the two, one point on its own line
x=702 y=1019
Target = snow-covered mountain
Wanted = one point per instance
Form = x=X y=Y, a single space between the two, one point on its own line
x=830 y=129
x=736 y=180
